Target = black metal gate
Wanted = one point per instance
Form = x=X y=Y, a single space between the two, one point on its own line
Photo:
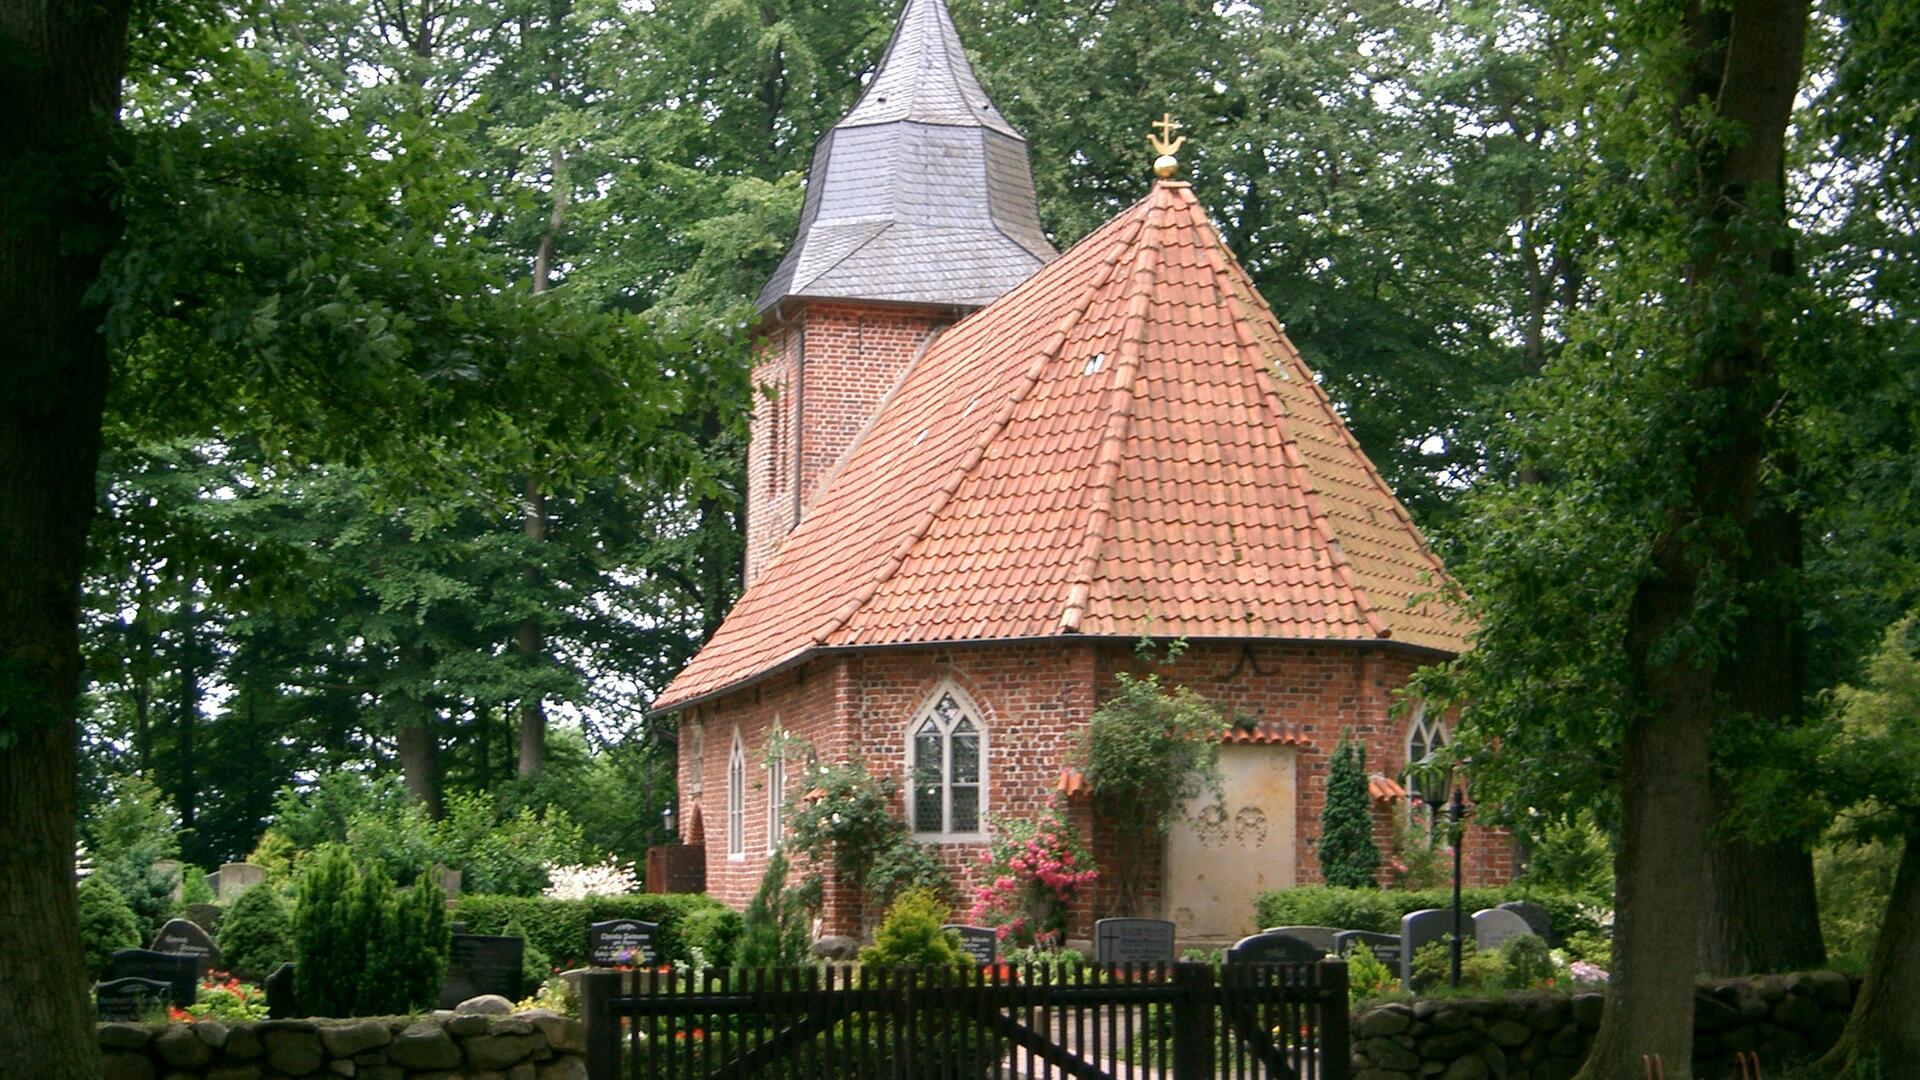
x=1185 y=1021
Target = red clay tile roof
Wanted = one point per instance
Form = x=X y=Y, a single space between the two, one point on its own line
x=1126 y=443
x=1385 y=788
x=1266 y=733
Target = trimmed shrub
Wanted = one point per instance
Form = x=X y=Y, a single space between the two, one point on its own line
x=256 y=935
x=421 y=941
x=559 y=927
x=364 y=948
x=1380 y=910
x=715 y=932
x=775 y=934
x=1348 y=855
x=1525 y=963
x=107 y=923
x=329 y=948
x=911 y=935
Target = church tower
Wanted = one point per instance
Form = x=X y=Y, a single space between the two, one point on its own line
x=920 y=208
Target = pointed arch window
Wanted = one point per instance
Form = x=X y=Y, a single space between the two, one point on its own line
x=1425 y=737
x=737 y=798
x=946 y=768
x=776 y=788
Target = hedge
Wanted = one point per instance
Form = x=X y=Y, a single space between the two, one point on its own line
x=1380 y=909
x=559 y=927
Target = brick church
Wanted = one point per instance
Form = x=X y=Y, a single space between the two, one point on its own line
x=984 y=470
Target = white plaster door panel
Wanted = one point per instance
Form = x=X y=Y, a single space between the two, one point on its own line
x=1227 y=851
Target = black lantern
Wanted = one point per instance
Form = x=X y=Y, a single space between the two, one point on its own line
x=1457 y=813
x=672 y=821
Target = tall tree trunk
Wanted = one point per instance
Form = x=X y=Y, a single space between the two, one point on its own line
x=186 y=785
x=531 y=642
x=1745 y=60
x=60 y=72
x=1885 y=1025
x=1762 y=914
x=420 y=759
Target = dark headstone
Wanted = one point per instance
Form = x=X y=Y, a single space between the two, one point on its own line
x=188 y=939
x=621 y=942
x=482 y=964
x=1312 y=935
x=1419 y=928
x=981 y=943
x=1274 y=949
x=282 y=1004
x=1385 y=947
x=1133 y=941
x=206 y=916
x=179 y=971
x=129 y=998
x=1537 y=918
x=1494 y=927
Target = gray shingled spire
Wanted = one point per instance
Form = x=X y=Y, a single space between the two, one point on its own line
x=923 y=193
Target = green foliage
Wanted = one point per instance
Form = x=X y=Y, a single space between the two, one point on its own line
x=1525 y=963
x=775 y=928
x=1349 y=858
x=194 y=888
x=329 y=950
x=536 y=967
x=421 y=942
x=559 y=927
x=911 y=935
x=852 y=824
x=1380 y=910
x=1034 y=872
x=1433 y=965
x=256 y=936
x=1854 y=880
x=363 y=948
x=1367 y=977
x=1417 y=861
x=1057 y=964
x=1572 y=856
x=1592 y=946
x=107 y=923
x=126 y=833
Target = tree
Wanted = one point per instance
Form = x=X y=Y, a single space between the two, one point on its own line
x=1348 y=855
x=255 y=934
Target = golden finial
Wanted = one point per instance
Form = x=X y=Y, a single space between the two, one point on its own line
x=1166 y=145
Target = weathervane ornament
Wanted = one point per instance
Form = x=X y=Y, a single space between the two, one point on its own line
x=1166 y=144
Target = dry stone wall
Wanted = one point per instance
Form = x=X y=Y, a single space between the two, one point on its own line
x=533 y=1045
x=1544 y=1036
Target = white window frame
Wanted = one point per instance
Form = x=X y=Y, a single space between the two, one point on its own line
x=973 y=713
x=737 y=798
x=776 y=788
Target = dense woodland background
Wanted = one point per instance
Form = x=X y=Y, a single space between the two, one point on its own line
x=427 y=328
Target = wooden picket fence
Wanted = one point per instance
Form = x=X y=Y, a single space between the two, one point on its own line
x=1115 y=1022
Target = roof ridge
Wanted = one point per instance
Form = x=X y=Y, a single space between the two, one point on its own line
x=1049 y=349
x=1126 y=369
x=1346 y=434
x=1290 y=450
x=798 y=288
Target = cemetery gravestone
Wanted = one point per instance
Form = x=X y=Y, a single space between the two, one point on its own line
x=178 y=971
x=1321 y=936
x=129 y=998
x=981 y=943
x=1274 y=948
x=206 y=916
x=1537 y=918
x=238 y=877
x=1384 y=947
x=621 y=941
x=213 y=882
x=449 y=881
x=1133 y=941
x=1494 y=927
x=482 y=964
x=281 y=1002
x=1419 y=928
x=175 y=871
x=186 y=938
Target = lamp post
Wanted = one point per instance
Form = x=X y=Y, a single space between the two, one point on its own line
x=1457 y=811
x=672 y=821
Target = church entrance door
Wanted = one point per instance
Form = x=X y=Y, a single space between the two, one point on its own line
x=1227 y=851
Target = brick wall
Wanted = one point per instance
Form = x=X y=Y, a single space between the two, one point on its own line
x=826 y=368
x=1034 y=700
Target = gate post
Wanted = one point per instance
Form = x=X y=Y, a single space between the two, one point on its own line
x=1194 y=1022
x=598 y=989
x=1336 y=1046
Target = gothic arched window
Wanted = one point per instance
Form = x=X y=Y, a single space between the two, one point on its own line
x=1425 y=737
x=776 y=788
x=946 y=768
x=737 y=797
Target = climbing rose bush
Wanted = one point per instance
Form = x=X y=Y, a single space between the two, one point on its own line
x=1035 y=870
x=579 y=882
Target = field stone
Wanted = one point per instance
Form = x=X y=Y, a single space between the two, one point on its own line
x=566 y=1068
x=382 y=1072
x=485 y=1005
x=341 y=1068
x=293 y=1052
x=424 y=1046
x=522 y=1071
x=1587 y=1009
x=243 y=1043
x=1387 y=1054
x=128 y=1067
x=498 y=1051
x=234 y=1072
x=212 y=1032
x=1830 y=988
x=124 y=1036
x=1453 y=1045
x=563 y=1034
x=1796 y=1013
x=836 y=947
x=1452 y=1020
x=1467 y=1068
x=1712 y=1014
x=1385 y=1020
x=346 y=1040
x=179 y=1047
x=1509 y=1032
x=510 y=1025
x=461 y=1027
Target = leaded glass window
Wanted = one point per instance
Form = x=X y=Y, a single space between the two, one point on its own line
x=1424 y=739
x=737 y=798
x=946 y=770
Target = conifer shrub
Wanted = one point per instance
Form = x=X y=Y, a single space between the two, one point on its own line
x=362 y=947
x=328 y=946
x=1525 y=963
x=1348 y=855
x=910 y=934
x=107 y=923
x=256 y=935
x=774 y=931
x=422 y=940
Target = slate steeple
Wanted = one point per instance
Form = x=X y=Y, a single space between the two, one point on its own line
x=922 y=194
